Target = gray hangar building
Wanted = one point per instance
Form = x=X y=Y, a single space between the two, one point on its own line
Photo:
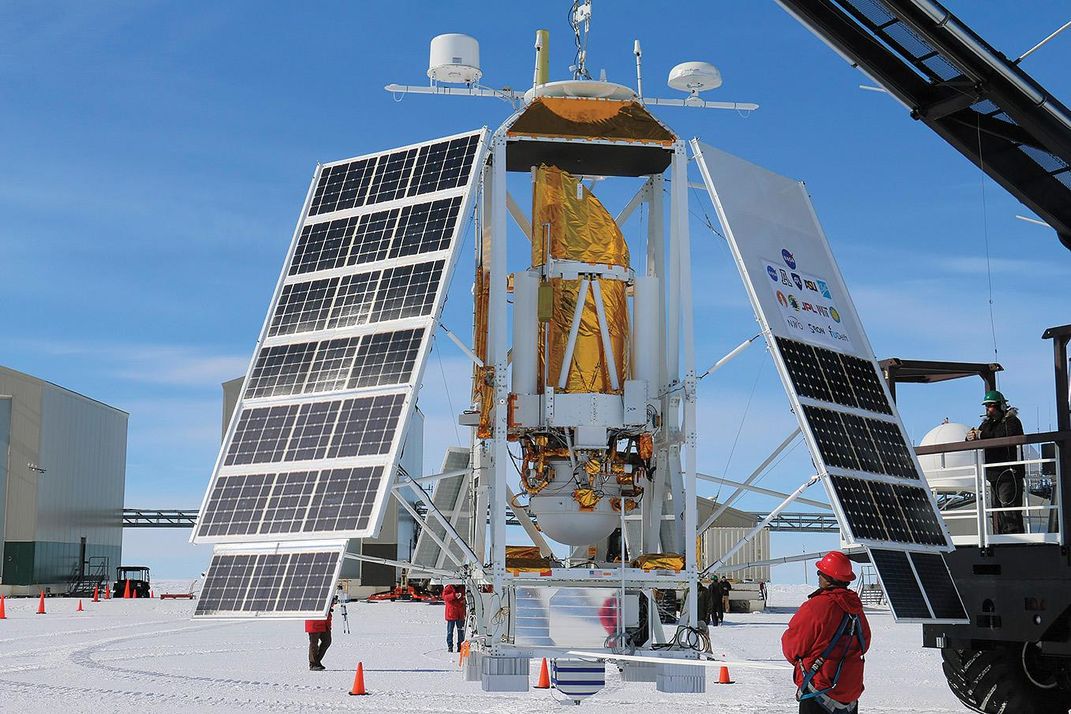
x=62 y=481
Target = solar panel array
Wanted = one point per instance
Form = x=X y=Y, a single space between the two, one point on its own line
x=852 y=428
x=451 y=496
x=257 y=582
x=868 y=460
x=315 y=436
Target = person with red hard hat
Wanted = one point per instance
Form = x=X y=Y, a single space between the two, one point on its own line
x=826 y=640
x=454 y=598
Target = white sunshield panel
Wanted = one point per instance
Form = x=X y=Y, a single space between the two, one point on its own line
x=825 y=361
x=451 y=495
x=278 y=580
x=313 y=444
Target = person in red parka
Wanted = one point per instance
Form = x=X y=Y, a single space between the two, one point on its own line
x=454 y=597
x=319 y=640
x=812 y=630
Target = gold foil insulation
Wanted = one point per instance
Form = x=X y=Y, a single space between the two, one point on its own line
x=580 y=227
x=589 y=371
x=568 y=219
x=577 y=117
x=483 y=387
x=660 y=561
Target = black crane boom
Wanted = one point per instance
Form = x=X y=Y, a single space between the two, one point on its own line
x=954 y=82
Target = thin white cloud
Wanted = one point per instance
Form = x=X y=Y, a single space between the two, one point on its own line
x=175 y=365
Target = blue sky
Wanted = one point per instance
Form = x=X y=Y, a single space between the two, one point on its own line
x=156 y=156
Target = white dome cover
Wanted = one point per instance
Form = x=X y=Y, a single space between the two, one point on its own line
x=935 y=466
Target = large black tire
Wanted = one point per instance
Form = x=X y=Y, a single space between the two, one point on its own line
x=994 y=682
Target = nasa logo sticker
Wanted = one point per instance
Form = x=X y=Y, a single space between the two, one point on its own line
x=772 y=272
x=789 y=259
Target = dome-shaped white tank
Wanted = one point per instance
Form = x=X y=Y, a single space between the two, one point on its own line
x=948 y=472
x=455 y=59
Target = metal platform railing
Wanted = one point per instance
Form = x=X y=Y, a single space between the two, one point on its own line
x=972 y=511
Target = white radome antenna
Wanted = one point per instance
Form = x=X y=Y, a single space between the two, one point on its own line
x=694 y=77
x=454 y=59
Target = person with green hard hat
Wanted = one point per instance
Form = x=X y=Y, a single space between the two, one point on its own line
x=1006 y=482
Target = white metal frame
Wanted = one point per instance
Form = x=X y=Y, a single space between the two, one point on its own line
x=676 y=393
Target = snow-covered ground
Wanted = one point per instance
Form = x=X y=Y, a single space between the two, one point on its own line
x=149 y=656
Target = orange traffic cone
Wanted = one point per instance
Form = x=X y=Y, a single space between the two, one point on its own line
x=126 y=590
x=151 y=595
x=462 y=653
x=358 y=681
x=96 y=593
x=723 y=676
x=544 y=676
x=79 y=607
x=41 y=604
x=3 y=612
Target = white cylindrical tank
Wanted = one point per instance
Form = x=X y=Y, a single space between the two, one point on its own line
x=645 y=331
x=948 y=472
x=525 y=332
x=455 y=59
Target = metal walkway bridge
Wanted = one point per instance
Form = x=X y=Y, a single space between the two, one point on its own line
x=187 y=517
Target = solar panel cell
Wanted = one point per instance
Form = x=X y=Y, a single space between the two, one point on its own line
x=901 y=586
x=366 y=426
x=330 y=501
x=356 y=296
x=829 y=376
x=405 y=173
x=849 y=441
x=386 y=358
x=407 y=291
x=938 y=585
x=363 y=426
x=295 y=584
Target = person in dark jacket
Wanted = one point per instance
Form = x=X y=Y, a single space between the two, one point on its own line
x=703 y=611
x=1006 y=483
x=454 y=598
x=814 y=627
x=319 y=640
x=726 y=587
x=717 y=612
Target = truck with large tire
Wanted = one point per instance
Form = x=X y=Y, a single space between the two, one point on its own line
x=1015 y=653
